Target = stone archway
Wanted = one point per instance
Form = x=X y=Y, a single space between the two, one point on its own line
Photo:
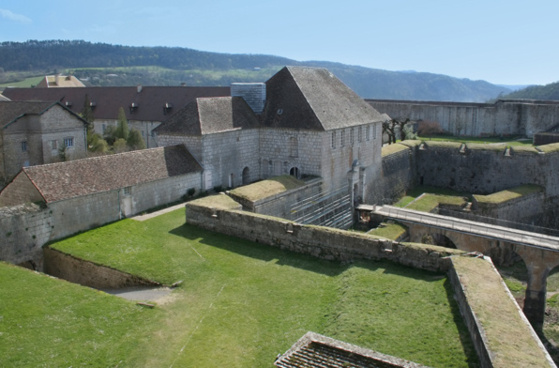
x=294 y=171
x=438 y=239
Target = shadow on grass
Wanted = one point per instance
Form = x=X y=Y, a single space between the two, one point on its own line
x=465 y=339
x=259 y=251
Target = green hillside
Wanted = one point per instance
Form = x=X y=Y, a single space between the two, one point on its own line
x=109 y=65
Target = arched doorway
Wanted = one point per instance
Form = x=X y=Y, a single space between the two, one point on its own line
x=246 y=176
x=294 y=171
x=438 y=239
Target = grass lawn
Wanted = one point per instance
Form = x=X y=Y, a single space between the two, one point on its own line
x=445 y=195
x=46 y=322
x=242 y=303
x=509 y=141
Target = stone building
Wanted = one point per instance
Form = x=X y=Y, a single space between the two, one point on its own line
x=59 y=81
x=36 y=133
x=145 y=107
x=311 y=125
x=82 y=194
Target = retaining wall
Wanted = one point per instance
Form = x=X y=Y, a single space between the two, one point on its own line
x=69 y=268
x=317 y=241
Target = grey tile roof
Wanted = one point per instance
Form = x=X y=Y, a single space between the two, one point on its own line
x=10 y=111
x=70 y=179
x=318 y=351
x=313 y=98
x=210 y=115
x=150 y=100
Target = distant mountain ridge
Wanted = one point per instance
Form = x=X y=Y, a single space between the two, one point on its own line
x=547 y=92
x=129 y=65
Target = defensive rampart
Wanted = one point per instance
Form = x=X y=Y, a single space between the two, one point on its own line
x=474 y=168
x=497 y=345
x=504 y=117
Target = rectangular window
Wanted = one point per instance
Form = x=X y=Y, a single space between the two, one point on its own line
x=334 y=139
x=24 y=146
x=374 y=131
x=352 y=136
x=69 y=142
x=128 y=191
x=368 y=132
x=54 y=144
x=342 y=139
x=359 y=134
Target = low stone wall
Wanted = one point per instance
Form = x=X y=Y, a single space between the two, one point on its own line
x=279 y=205
x=501 y=334
x=69 y=268
x=317 y=241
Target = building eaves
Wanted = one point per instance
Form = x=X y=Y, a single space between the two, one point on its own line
x=65 y=180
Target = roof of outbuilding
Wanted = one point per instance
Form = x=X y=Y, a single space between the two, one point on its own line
x=210 y=115
x=64 y=180
x=10 y=111
x=313 y=98
x=151 y=101
x=318 y=351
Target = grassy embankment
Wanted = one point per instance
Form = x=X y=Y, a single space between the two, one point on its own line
x=240 y=304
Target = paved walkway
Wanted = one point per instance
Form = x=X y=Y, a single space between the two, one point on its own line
x=471 y=227
x=157 y=213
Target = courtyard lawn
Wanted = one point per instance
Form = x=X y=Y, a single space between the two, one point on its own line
x=46 y=322
x=242 y=303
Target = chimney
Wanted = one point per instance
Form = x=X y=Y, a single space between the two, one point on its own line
x=56 y=79
x=253 y=93
x=139 y=88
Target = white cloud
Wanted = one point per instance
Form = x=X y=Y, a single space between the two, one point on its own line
x=6 y=14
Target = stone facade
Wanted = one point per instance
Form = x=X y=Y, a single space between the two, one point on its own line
x=504 y=117
x=37 y=133
x=311 y=125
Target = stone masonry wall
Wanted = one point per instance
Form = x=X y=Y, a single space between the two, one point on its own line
x=23 y=231
x=476 y=119
x=321 y=242
x=283 y=149
x=86 y=273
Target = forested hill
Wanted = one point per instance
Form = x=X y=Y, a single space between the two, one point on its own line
x=547 y=92
x=104 y=64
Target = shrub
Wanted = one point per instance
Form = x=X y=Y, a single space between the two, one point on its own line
x=426 y=128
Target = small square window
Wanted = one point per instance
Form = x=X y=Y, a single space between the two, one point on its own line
x=128 y=190
x=24 y=146
x=69 y=142
x=54 y=144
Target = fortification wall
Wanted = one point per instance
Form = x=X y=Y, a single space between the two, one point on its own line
x=23 y=231
x=485 y=169
x=475 y=119
x=398 y=175
x=527 y=208
x=317 y=241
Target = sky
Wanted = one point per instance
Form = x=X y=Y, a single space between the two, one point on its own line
x=503 y=42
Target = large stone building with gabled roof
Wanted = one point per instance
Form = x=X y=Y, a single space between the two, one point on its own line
x=36 y=133
x=145 y=106
x=312 y=124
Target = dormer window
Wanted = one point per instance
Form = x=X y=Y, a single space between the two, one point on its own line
x=167 y=108
x=68 y=104
x=133 y=107
x=93 y=105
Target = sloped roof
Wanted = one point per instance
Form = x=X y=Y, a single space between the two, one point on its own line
x=150 y=100
x=318 y=351
x=3 y=98
x=210 y=115
x=70 y=179
x=313 y=98
x=57 y=81
x=11 y=111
